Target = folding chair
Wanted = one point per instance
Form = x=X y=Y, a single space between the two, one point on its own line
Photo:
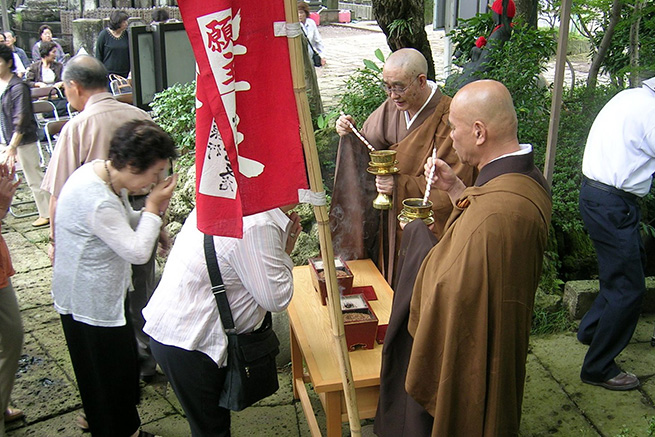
x=45 y=93
x=52 y=129
x=44 y=111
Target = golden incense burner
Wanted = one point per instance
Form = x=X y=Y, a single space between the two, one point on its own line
x=383 y=162
x=415 y=208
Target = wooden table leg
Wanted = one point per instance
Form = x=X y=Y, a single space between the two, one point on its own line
x=333 y=413
x=296 y=361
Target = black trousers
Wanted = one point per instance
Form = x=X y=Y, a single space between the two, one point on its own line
x=612 y=220
x=197 y=381
x=107 y=373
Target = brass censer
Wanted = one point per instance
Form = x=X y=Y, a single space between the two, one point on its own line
x=415 y=208
x=383 y=162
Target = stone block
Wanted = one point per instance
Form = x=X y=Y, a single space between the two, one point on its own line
x=329 y=16
x=85 y=34
x=580 y=295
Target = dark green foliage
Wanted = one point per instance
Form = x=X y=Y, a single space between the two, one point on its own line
x=467 y=32
x=550 y=322
x=617 y=61
x=175 y=111
x=363 y=93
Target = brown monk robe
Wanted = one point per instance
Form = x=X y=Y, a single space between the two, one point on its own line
x=471 y=307
x=398 y=415
x=354 y=223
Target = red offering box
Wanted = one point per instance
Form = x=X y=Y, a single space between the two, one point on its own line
x=359 y=321
x=344 y=277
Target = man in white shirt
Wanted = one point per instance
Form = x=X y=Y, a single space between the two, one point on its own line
x=182 y=317
x=618 y=164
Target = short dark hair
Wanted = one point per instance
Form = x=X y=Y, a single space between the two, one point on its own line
x=8 y=56
x=140 y=144
x=46 y=47
x=116 y=18
x=43 y=28
x=87 y=71
x=160 y=15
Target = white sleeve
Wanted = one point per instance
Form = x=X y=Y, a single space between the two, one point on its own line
x=264 y=267
x=315 y=39
x=111 y=225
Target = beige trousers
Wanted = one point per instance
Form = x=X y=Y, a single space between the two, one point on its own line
x=28 y=156
x=11 y=346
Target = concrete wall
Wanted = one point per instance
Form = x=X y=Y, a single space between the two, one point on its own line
x=361 y=10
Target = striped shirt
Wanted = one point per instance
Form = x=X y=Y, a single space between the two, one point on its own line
x=257 y=274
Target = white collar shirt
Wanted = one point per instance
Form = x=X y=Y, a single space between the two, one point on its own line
x=620 y=149
x=408 y=120
x=257 y=274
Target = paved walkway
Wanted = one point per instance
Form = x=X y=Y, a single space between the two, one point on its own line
x=555 y=401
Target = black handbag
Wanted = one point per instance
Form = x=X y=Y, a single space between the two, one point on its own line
x=251 y=369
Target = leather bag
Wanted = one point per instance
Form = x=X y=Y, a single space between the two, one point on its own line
x=251 y=369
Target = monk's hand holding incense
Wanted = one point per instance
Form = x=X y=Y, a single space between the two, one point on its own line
x=344 y=124
x=444 y=179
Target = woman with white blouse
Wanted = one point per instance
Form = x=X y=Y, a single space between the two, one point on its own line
x=98 y=237
x=311 y=32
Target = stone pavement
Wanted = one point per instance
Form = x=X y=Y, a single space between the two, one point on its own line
x=555 y=401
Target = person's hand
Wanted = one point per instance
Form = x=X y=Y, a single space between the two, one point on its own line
x=384 y=184
x=40 y=85
x=403 y=224
x=164 y=242
x=322 y=62
x=157 y=200
x=342 y=126
x=10 y=157
x=294 y=232
x=8 y=186
x=444 y=178
x=51 y=253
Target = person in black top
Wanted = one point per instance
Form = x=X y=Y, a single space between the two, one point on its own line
x=112 y=48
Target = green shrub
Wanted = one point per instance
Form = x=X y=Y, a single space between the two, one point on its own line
x=175 y=111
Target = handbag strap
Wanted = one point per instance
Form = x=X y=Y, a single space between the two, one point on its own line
x=218 y=288
x=307 y=38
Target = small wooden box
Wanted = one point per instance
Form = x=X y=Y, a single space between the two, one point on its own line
x=344 y=277
x=359 y=321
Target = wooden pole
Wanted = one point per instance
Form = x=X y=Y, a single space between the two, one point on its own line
x=325 y=238
x=558 y=89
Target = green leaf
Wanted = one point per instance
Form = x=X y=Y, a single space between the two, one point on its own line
x=372 y=65
x=379 y=55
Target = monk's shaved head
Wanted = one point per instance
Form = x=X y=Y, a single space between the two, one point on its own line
x=490 y=102
x=411 y=61
x=483 y=122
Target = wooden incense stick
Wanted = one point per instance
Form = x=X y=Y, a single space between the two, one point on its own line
x=429 y=184
x=360 y=136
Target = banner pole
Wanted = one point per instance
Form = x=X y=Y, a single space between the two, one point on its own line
x=325 y=238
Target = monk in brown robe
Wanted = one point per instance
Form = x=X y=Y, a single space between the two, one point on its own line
x=471 y=307
x=413 y=120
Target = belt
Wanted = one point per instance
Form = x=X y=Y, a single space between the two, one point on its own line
x=608 y=188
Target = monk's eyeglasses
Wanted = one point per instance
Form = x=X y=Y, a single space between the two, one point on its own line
x=396 y=89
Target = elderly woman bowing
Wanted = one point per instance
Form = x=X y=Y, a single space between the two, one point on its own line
x=98 y=236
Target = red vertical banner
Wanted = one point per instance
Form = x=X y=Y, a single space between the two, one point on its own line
x=249 y=156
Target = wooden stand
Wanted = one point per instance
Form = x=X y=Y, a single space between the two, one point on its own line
x=309 y=322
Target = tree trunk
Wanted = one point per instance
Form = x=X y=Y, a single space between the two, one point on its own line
x=598 y=59
x=635 y=76
x=403 y=22
x=528 y=10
